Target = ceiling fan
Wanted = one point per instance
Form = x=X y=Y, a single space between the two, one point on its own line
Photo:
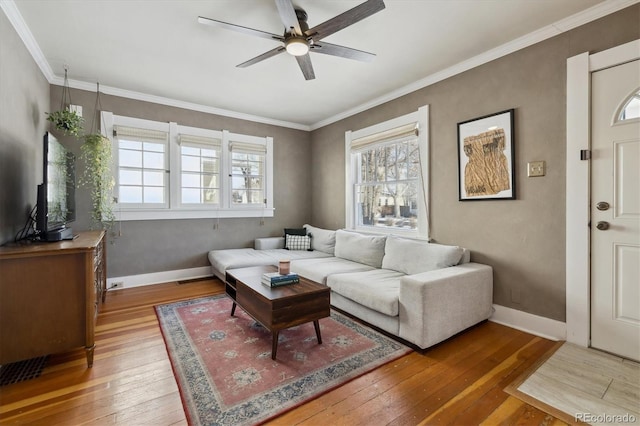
x=298 y=39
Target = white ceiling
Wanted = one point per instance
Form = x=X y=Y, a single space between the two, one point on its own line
x=156 y=50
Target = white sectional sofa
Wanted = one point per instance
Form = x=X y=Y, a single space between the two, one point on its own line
x=421 y=292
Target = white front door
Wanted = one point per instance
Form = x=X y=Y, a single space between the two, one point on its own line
x=615 y=210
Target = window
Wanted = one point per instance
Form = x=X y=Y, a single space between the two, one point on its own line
x=142 y=166
x=386 y=172
x=247 y=173
x=169 y=171
x=387 y=184
x=200 y=170
x=631 y=108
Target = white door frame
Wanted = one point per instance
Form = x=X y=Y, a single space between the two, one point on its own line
x=578 y=291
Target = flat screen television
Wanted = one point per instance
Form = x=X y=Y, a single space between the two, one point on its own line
x=56 y=204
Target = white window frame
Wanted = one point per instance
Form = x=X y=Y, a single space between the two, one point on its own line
x=228 y=139
x=175 y=209
x=145 y=125
x=176 y=182
x=421 y=117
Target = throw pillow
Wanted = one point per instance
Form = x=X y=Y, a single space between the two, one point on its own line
x=322 y=239
x=297 y=242
x=415 y=256
x=293 y=231
x=361 y=248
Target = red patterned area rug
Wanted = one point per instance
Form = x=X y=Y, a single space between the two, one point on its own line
x=224 y=369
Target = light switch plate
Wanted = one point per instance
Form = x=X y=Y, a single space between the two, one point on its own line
x=535 y=168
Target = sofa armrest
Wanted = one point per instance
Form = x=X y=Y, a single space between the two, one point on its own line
x=436 y=305
x=269 y=243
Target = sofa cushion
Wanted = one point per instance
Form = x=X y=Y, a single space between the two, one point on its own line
x=318 y=269
x=378 y=289
x=268 y=243
x=415 y=256
x=322 y=240
x=367 y=249
x=297 y=242
x=221 y=260
x=284 y=254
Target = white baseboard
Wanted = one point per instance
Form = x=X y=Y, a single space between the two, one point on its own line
x=534 y=324
x=159 y=277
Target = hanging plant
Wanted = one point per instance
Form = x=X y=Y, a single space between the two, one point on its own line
x=65 y=120
x=96 y=154
x=68 y=122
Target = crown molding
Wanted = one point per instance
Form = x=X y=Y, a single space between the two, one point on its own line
x=595 y=12
x=130 y=94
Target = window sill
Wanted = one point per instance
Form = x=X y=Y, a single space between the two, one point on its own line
x=126 y=215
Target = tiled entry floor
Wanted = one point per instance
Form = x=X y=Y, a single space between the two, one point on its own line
x=587 y=385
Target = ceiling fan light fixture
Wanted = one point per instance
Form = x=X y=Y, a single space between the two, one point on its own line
x=297 y=46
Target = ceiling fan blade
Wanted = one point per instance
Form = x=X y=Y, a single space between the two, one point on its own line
x=345 y=19
x=305 y=66
x=288 y=16
x=343 y=52
x=259 y=58
x=239 y=28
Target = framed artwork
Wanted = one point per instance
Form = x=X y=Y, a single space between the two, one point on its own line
x=486 y=158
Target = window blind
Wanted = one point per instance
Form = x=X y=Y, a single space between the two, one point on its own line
x=139 y=134
x=247 y=148
x=369 y=141
x=199 y=141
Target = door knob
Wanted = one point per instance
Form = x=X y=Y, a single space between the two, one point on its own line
x=602 y=225
x=602 y=205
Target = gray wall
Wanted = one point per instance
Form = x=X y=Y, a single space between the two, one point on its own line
x=24 y=98
x=164 y=245
x=523 y=239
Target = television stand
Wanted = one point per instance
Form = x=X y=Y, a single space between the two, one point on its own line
x=50 y=295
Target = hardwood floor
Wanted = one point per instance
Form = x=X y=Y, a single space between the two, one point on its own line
x=460 y=381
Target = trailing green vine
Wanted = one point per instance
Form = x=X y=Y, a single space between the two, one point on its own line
x=96 y=154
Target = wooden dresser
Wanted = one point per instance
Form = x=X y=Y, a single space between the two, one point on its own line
x=50 y=294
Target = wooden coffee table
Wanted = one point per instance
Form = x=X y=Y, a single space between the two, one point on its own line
x=280 y=307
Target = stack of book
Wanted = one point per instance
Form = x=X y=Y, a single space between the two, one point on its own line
x=274 y=279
